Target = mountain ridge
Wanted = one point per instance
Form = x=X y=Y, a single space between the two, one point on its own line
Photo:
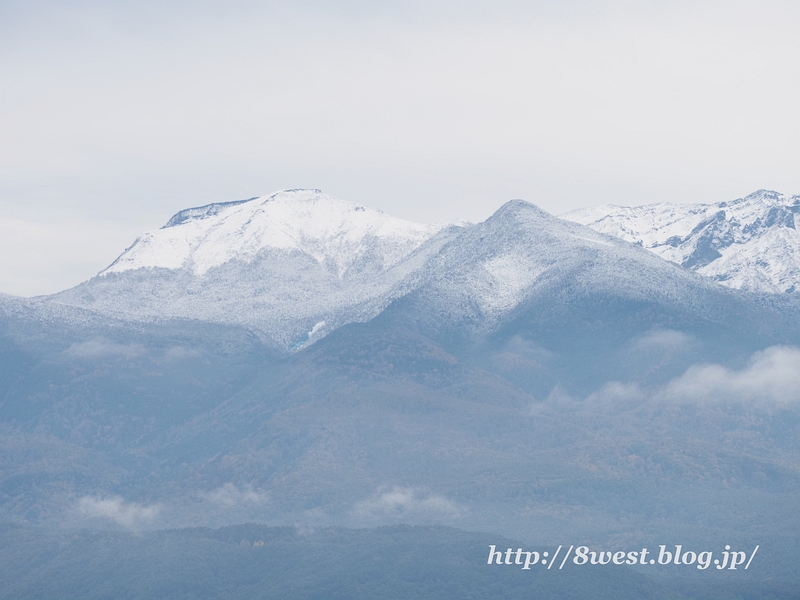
x=526 y=374
x=336 y=233
x=292 y=266
x=243 y=263
x=751 y=243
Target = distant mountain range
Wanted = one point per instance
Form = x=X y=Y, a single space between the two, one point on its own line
x=299 y=360
x=749 y=244
x=295 y=265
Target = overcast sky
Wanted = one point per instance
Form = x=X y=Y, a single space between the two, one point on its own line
x=115 y=115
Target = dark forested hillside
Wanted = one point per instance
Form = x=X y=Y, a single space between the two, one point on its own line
x=535 y=380
x=252 y=561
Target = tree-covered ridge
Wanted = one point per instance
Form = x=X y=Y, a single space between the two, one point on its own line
x=256 y=561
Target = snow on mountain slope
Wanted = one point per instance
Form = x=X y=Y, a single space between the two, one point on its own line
x=292 y=266
x=522 y=251
x=298 y=264
x=544 y=301
x=751 y=243
x=341 y=236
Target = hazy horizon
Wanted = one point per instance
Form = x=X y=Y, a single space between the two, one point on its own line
x=116 y=117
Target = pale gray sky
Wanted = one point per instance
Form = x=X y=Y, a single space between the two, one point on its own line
x=114 y=116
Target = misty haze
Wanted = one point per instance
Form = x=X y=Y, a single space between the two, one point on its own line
x=333 y=300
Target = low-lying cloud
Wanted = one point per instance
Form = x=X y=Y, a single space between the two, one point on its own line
x=99 y=347
x=180 y=352
x=406 y=502
x=230 y=496
x=770 y=378
x=662 y=339
x=114 y=508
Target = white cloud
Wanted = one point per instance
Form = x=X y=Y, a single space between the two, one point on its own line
x=180 y=352
x=102 y=347
x=406 y=502
x=128 y=514
x=772 y=376
x=617 y=393
x=560 y=397
x=230 y=496
x=662 y=339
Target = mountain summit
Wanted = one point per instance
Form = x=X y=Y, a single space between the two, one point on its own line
x=751 y=243
x=343 y=237
x=296 y=265
x=291 y=266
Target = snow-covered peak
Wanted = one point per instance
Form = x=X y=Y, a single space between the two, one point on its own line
x=522 y=254
x=751 y=243
x=341 y=236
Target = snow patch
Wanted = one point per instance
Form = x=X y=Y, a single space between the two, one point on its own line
x=507 y=278
x=751 y=243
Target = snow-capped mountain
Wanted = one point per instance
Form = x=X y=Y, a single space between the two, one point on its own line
x=522 y=251
x=343 y=237
x=751 y=243
x=298 y=264
x=524 y=270
x=292 y=266
x=525 y=374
